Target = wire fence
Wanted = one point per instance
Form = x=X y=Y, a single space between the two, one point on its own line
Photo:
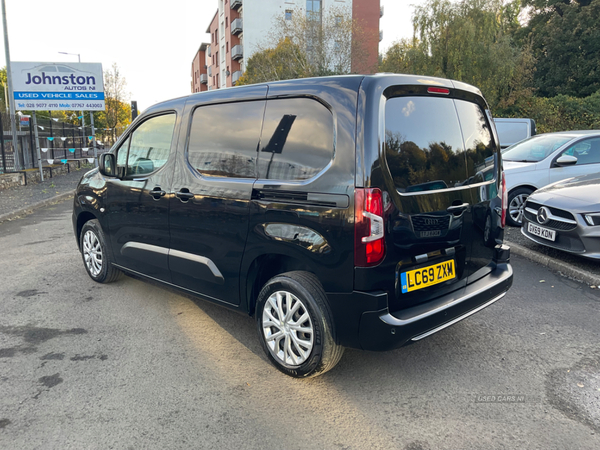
x=59 y=142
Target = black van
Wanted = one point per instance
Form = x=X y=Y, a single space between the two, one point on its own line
x=354 y=211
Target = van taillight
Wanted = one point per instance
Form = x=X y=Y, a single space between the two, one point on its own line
x=504 y=199
x=369 y=245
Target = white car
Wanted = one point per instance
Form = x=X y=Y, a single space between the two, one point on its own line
x=545 y=159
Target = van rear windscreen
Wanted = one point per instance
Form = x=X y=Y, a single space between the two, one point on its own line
x=437 y=143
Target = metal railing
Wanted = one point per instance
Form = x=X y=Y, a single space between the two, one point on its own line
x=236 y=76
x=237 y=26
x=237 y=52
x=58 y=141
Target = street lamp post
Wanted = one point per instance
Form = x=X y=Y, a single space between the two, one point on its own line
x=10 y=99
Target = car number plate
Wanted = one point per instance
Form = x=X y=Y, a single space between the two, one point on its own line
x=427 y=276
x=431 y=233
x=542 y=232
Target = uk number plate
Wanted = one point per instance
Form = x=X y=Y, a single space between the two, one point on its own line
x=542 y=232
x=427 y=276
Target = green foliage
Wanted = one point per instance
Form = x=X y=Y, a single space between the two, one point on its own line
x=284 y=62
x=559 y=113
x=470 y=41
x=565 y=38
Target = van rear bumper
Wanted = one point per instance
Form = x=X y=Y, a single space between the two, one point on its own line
x=385 y=330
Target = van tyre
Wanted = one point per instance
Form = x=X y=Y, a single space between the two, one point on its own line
x=294 y=325
x=516 y=206
x=97 y=259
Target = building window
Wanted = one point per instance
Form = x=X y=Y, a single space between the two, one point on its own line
x=227 y=46
x=226 y=22
x=217 y=55
x=313 y=10
x=288 y=14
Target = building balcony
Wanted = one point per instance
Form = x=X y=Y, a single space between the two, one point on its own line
x=203 y=78
x=381 y=11
x=208 y=52
x=236 y=76
x=381 y=36
x=210 y=71
x=237 y=52
x=236 y=26
x=235 y=4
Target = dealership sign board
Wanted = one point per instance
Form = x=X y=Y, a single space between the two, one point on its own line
x=44 y=86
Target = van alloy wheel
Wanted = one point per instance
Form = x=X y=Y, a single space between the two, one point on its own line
x=96 y=255
x=92 y=253
x=287 y=328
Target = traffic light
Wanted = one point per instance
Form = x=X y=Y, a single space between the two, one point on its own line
x=134 y=111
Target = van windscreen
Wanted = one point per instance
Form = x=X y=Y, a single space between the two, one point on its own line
x=437 y=143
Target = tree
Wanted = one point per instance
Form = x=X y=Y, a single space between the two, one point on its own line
x=284 y=62
x=117 y=115
x=311 y=44
x=470 y=41
x=565 y=39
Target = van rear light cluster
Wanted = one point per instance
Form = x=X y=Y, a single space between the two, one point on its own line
x=369 y=244
x=504 y=199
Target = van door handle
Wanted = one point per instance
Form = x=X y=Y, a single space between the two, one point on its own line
x=184 y=195
x=457 y=208
x=157 y=193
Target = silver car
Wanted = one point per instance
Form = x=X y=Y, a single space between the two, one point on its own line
x=566 y=216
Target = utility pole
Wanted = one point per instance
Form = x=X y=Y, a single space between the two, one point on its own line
x=11 y=94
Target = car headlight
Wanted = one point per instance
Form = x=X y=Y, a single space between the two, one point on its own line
x=593 y=219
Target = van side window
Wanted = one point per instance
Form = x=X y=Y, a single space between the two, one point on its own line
x=224 y=139
x=297 y=140
x=147 y=149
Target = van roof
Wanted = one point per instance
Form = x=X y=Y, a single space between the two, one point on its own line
x=384 y=78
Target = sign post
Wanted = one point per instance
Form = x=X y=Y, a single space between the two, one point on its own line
x=37 y=147
x=94 y=139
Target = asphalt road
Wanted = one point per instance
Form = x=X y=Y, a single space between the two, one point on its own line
x=131 y=365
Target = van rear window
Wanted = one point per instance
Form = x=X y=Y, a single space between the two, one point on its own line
x=437 y=143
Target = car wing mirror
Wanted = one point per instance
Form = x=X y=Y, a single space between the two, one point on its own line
x=107 y=165
x=566 y=160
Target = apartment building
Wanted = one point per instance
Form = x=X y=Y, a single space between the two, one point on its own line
x=239 y=27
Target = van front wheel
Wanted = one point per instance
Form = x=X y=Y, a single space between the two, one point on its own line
x=294 y=325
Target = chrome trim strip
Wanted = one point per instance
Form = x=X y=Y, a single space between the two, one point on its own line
x=178 y=254
x=561 y=219
x=147 y=247
x=552 y=216
x=458 y=319
x=391 y=320
x=199 y=259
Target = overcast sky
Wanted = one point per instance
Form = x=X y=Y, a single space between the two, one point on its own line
x=153 y=43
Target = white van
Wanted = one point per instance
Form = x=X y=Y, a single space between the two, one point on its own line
x=511 y=131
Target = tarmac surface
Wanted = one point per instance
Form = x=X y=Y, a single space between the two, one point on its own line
x=16 y=198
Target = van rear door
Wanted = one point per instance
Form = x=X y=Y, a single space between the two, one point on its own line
x=439 y=193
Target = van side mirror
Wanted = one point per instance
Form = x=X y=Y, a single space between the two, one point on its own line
x=566 y=160
x=107 y=165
